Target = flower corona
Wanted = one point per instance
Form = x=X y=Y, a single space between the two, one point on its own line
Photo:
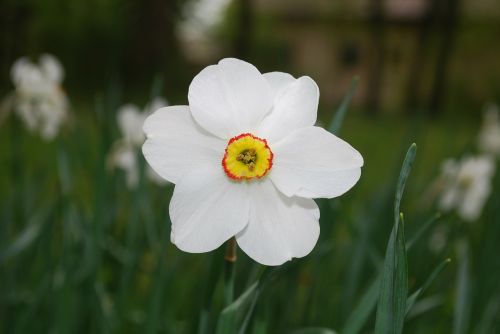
x=247 y=157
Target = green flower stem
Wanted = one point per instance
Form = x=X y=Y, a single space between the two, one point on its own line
x=230 y=259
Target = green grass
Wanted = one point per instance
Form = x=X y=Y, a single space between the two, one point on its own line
x=80 y=253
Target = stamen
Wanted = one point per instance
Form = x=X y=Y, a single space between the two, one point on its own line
x=248 y=157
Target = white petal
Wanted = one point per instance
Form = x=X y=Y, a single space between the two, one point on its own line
x=229 y=98
x=278 y=81
x=51 y=69
x=176 y=145
x=130 y=121
x=207 y=209
x=280 y=228
x=474 y=200
x=157 y=103
x=124 y=157
x=313 y=163
x=19 y=69
x=154 y=177
x=295 y=106
x=449 y=198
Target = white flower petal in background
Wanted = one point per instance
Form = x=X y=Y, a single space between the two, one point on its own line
x=489 y=136
x=280 y=228
x=124 y=157
x=466 y=185
x=157 y=103
x=313 y=163
x=246 y=160
x=224 y=104
x=130 y=119
x=18 y=70
x=51 y=69
x=39 y=100
x=198 y=26
x=124 y=153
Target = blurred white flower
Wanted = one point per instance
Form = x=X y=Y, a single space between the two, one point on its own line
x=247 y=162
x=125 y=152
x=200 y=18
x=466 y=185
x=39 y=100
x=489 y=136
x=438 y=239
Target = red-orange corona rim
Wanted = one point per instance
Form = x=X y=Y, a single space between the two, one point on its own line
x=247 y=157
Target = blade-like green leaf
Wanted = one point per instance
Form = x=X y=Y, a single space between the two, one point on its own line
x=238 y=314
x=211 y=282
x=360 y=314
x=265 y=278
x=401 y=278
x=338 y=119
x=462 y=299
x=228 y=317
x=391 y=309
x=28 y=236
x=314 y=330
x=421 y=231
x=424 y=305
x=156 y=87
x=413 y=298
x=487 y=323
x=156 y=302
x=403 y=176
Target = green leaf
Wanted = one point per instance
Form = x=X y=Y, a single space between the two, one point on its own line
x=403 y=176
x=238 y=314
x=214 y=266
x=338 y=119
x=487 y=323
x=413 y=298
x=156 y=87
x=155 y=301
x=268 y=273
x=314 y=330
x=27 y=236
x=391 y=309
x=360 y=315
x=462 y=300
x=421 y=231
x=229 y=316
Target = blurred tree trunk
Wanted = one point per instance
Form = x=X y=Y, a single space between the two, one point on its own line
x=243 y=36
x=14 y=25
x=377 y=55
x=448 y=20
x=415 y=74
x=153 y=43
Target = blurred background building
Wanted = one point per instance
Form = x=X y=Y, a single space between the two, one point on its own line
x=412 y=56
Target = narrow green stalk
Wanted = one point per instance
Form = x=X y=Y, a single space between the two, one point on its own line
x=229 y=262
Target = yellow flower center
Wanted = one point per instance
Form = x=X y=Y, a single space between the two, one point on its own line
x=247 y=157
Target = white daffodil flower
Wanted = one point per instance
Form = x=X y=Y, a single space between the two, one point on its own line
x=247 y=161
x=466 y=185
x=489 y=136
x=125 y=152
x=38 y=99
